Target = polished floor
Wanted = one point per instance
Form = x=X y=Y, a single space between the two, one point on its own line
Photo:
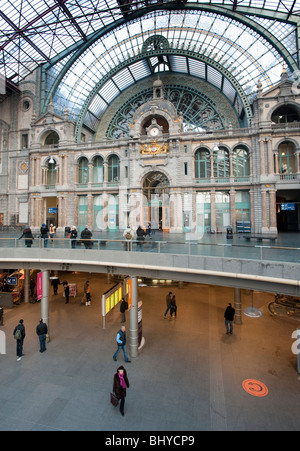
x=188 y=376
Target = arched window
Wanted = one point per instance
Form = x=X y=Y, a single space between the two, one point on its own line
x=98 y=170
x=221 y=163
x=51 y=172
x=83 y=170
x=241 y=162
x=285 y=114
x=287 y=164
x=113 y=169
x=202 y=164
x=51 y=139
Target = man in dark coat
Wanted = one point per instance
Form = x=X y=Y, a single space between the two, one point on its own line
x=45 y=234
x=27 y=234
x=123 y=308
x=229 y=315
x=86 y=234
x=20 y=327
x=119 y=386
x=41 y=331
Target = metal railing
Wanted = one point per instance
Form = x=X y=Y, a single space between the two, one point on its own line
x=190 y=248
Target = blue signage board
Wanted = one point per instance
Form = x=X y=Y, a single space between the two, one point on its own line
x=52 y=210
x=287 y=207
x=11 y=281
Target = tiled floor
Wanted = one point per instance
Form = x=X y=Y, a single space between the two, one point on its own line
x=187 y=377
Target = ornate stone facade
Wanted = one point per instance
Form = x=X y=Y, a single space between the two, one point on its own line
x=179 y=179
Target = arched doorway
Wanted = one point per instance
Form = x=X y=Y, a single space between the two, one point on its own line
x=156 y=206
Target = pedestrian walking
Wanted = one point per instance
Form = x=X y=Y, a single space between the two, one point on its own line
x=19 y=335
x=66 y=292
x=120 y=384
x=45 y=234
x=55 y=282
x=121 y=342
x=229 y=315
x=123 y=308
x=173 y=307
x=27 y=234
x=32 y=286
x=41 y=331
x=86 y=236
x=86 y=294
x=168 y=303
x=73 y=235
x=140 y=236
x=52 y=231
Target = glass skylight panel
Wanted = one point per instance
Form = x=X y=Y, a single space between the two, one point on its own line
x=140 y=70
x=196 y=68
x=97 y=106
x=229 y=90
x=91 y=121
x=153 y=61
x=147 y=24
x=123 y=79
x=109 y=91
x=178 y=63
x=214 y=77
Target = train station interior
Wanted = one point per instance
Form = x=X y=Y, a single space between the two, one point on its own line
x=178 y=122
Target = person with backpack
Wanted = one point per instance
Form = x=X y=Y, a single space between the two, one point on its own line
x=19 y=335
x=128 y=235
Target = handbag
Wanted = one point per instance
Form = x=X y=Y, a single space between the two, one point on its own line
x=114 y=400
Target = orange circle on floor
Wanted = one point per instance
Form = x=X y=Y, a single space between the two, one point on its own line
x=255 y=388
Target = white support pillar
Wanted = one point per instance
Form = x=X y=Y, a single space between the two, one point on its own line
x=26 y=285
x=238 y=306
x=45 y=299
x=133 y=318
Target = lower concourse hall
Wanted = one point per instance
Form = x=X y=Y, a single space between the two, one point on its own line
x=188 y=376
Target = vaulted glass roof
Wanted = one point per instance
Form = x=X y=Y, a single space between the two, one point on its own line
x=35 y=31
x=91 y=51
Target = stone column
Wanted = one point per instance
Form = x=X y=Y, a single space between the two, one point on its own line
x=251 y=192
x=262 y=157
x=213 y=210
x=264 y=219
x=232 y=209
x=75 y=212
x=273 y=211
x=90 y=211
x=270 y=158
x=60 y=212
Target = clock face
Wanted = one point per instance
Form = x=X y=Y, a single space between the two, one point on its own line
x=154 y=131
